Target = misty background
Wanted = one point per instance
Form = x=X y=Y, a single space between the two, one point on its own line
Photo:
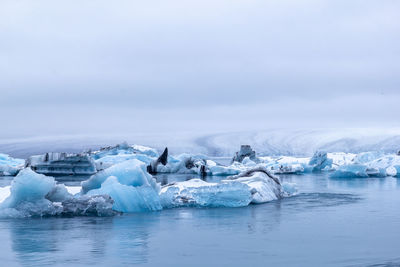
x=291 y=75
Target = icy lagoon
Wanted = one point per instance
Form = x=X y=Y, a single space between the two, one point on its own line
x=330 y=222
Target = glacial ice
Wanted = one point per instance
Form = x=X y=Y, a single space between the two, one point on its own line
x=245 y=152
x=131 y=172
x=255 y=186
x=33 y=194
x=350 y=171
x=320 y=161
x=62 y=164
x=198 y=193
x=128 y=198
x=124 y=149
x=9 y=165
x=264 y=186
x=106 y=157
x=129 y=184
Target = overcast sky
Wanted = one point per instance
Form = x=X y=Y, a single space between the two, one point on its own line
x=83 y=67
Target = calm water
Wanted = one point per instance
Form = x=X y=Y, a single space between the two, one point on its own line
x=332 y=222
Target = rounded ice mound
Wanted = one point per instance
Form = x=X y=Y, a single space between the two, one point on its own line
x=128 y=198
x=131 y=172
x=28 y=186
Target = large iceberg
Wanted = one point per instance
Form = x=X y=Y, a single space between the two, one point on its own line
x=129 y=184
x=129 y=198
x=254 y=186
x=131 y=172
x=37 y=195
x=9 y=165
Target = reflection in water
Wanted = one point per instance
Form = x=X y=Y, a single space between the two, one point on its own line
x=84 y=240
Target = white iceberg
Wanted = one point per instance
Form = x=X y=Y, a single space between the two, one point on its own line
x=199 y=193
x=254 y=186
x=264 y=186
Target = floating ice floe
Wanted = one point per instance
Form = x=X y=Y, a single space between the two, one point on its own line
x=9 y=165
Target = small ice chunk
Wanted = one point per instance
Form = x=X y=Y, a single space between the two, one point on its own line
x=9 y=165
x=320 y=161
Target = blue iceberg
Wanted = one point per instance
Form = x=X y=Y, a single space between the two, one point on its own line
x=9 y=165
x=37 y=195
x=350 y=171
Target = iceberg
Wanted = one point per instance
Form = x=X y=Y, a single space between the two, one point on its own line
x=124 y=149
x=10 y=166
x=397 y=168
x=350 y=171
x=37 y=195
x=131 y=172
x=254 y=186
x=264 y=186
x=320 y=161
x=129 y=184
x=129 y=198
x=369 y=164
x=198 y=193
x=245 y=151
x=110 y=160
x=62 y=164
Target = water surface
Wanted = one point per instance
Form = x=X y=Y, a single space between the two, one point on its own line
x=331 y=222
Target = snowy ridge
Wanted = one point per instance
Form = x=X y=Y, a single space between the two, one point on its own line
x=303 y=142
x=300 y=142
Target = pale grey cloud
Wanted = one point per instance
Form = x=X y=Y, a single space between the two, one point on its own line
x=145 y=65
